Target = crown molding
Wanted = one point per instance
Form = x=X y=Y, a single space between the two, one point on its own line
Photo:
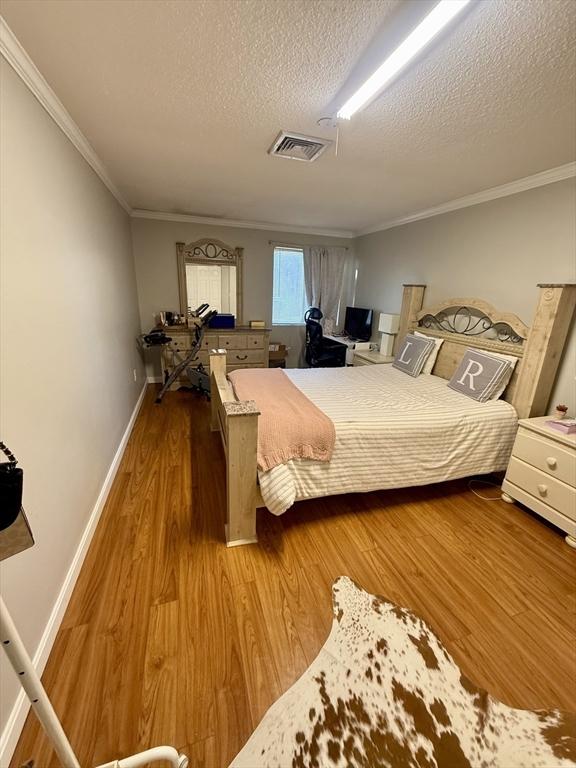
x=512 y=188
x=214 y=221
x=12 y=50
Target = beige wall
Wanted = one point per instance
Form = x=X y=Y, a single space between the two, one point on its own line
x=155 y=256
x=69 y=317
x=497 y=251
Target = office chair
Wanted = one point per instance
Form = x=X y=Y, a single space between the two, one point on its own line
x=321 y=352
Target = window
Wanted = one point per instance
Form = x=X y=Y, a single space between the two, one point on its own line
x=288 y=294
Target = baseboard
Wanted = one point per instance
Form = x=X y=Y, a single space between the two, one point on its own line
x=15 y=723
x=155 y=380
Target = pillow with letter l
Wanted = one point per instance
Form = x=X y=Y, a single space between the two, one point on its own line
x=412 y=354
x=479 y=375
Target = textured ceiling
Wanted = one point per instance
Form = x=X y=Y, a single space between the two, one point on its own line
x=181 y=100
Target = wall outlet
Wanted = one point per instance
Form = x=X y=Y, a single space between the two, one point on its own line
x=135 y=374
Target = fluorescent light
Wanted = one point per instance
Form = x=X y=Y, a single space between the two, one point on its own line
x=418 y=39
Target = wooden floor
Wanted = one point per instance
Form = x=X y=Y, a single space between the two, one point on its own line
x=170 y=638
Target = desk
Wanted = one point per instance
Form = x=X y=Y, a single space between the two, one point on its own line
x=351 y=346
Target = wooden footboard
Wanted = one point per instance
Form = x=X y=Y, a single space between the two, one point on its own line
x=237 y=422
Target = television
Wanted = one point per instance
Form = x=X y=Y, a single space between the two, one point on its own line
x=358 y=323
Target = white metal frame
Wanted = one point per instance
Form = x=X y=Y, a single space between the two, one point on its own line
x=30 y=681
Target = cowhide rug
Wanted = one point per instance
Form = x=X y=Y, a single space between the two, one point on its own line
x=383 y=691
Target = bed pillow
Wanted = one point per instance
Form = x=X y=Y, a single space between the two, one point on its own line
x=499 y=391
x=431 y=359
x=412 y=354
x=480 y=375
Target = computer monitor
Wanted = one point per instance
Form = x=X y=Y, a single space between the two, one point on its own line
x=358 y=323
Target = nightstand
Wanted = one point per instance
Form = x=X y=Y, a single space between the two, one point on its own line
x=365 y=357
x=542 y=474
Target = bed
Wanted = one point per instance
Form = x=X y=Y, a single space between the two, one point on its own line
x=393 y=430
x=390 y=427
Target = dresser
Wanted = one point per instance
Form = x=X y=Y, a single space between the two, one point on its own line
x=366 y=357
x=542 y=474
x=246 y=347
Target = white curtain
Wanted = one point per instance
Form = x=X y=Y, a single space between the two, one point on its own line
x=312 y=275
x=329 y=277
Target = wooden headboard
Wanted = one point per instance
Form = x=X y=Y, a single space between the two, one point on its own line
x=466 y=323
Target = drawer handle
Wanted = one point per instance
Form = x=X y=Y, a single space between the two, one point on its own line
x=551 y=461
x=542 y=489
x=240 y=357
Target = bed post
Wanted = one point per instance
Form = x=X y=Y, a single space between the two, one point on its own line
x=217 y=368
x=412 y=300
x=241 y=445
x=237 y=422
x=544 y=348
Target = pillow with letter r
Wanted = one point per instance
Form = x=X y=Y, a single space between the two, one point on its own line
x=412 y=354
x=512 y=359
x=480 y=375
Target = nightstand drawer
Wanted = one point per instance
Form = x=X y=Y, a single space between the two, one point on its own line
x=542 y=486
x=546 y=455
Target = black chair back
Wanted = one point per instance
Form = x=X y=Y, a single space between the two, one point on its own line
x=321 y=352
x=314 y=338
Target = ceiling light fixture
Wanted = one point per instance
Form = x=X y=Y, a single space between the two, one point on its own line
x=418 y=39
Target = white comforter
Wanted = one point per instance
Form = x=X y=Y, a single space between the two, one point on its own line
x=391 y=431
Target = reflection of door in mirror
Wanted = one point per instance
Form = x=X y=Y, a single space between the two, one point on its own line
x=213 y=284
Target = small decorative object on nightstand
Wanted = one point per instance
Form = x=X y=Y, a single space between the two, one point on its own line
x=542 y=474
x=561 y=412
x=366 y=357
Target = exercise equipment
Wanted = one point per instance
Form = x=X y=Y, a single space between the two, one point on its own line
x=198 y=320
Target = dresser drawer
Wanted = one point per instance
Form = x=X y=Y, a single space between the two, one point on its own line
x=542 y=486
x=547 y=455
x=236 y=358
x=245 y=357
x=210 y=342
x=203 y=356
x=181 y=342
x=232 y=341
x=255 y=341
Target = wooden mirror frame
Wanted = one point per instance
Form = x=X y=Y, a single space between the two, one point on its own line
x=209 y=251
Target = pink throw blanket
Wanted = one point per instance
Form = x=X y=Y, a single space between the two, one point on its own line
x=290 y=425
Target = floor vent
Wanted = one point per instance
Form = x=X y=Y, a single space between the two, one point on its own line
x=295 y=146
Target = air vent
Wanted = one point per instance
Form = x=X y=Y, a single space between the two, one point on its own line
x=295 y=146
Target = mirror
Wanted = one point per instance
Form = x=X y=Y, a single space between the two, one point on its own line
x=214 y=284
x=210 y=271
